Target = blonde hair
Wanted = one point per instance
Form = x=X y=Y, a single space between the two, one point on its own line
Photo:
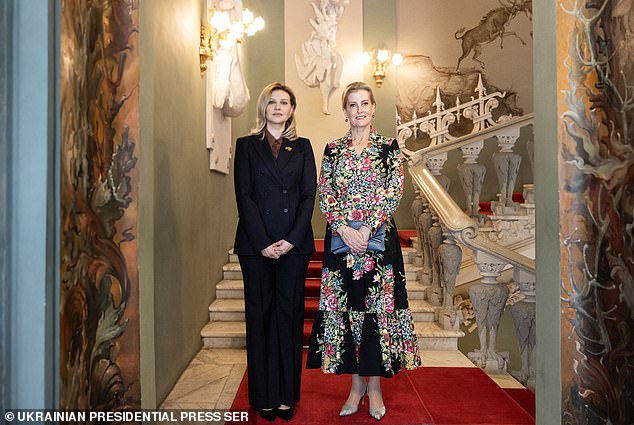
x=290 y=130
x=356 y=86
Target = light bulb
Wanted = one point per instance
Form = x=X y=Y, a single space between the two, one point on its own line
x=383 y=55
x=397 y=59
x=247 y=16
x=258 y=23
x=220 y=21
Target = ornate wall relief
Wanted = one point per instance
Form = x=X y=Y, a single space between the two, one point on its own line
x=595 y=62
x=320 y=64
x=99 y=324
x=227 y=93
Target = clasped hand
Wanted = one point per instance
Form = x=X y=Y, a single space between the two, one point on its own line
x=357 y=240
x=277 y=249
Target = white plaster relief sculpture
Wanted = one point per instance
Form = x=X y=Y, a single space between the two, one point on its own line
x=320 y=65
x=227 y=93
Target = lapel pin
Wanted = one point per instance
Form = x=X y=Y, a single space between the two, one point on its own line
x=288 y=148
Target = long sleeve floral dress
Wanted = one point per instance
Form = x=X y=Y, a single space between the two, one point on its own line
x=364 y=324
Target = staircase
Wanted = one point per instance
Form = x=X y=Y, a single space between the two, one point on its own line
x=226 y=326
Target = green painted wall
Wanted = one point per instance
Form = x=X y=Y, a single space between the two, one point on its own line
x=188 y=212
x=262 y=59
x=548 y=391
x=148 y=33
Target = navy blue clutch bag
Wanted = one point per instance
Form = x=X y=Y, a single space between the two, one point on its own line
x=375 y=243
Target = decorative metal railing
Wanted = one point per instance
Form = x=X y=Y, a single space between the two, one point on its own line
x=436 y=125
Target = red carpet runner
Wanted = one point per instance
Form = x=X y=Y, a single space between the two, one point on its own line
x=429 y=395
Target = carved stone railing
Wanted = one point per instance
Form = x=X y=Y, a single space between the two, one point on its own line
x=444 y=229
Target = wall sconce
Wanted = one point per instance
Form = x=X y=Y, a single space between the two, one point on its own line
x=379 y=59
x=222 y=32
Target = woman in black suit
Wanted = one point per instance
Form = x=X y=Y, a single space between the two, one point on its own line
x=275 y=181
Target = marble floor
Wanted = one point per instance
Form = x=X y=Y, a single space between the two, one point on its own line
x=211 y=380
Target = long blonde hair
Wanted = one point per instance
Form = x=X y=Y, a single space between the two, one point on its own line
x=290 y=130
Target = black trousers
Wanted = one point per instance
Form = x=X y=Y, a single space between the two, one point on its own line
x=274 y=309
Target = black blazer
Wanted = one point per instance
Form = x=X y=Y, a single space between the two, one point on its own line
x=275 y=198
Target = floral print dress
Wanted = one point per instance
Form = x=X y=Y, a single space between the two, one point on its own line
x=364 y=324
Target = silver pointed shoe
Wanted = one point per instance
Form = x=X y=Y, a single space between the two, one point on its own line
x=378 y=413
x=347 y=410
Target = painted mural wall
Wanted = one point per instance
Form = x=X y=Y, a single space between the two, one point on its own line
x=447 y=45
x=595 y=62
x=99 y=323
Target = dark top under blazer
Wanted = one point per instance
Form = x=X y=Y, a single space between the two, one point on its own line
x=275 y=198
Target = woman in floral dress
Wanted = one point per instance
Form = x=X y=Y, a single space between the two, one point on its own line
x=364 y=326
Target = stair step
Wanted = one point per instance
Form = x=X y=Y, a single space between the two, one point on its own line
x=234 y=289
x=433 y=337
x=409 y=253
x=232 y=310
x=230 y=288
x=232 y=271
x=422 y=311
x=416 y=290
x=224 y=335
x=233 y=335
x=227 y=310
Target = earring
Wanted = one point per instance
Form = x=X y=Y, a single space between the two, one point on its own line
x=346 y=119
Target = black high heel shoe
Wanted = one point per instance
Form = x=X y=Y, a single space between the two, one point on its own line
x=286 y=414
x=269 y=415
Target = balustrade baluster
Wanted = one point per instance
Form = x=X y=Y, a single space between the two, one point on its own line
x=425 y=223
x=435 y=165
x=523 y=313
x=434 y=293
x=472 y=176
x=488 y=299
x=417 y=210
x=507 y=166
x=450 y=259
